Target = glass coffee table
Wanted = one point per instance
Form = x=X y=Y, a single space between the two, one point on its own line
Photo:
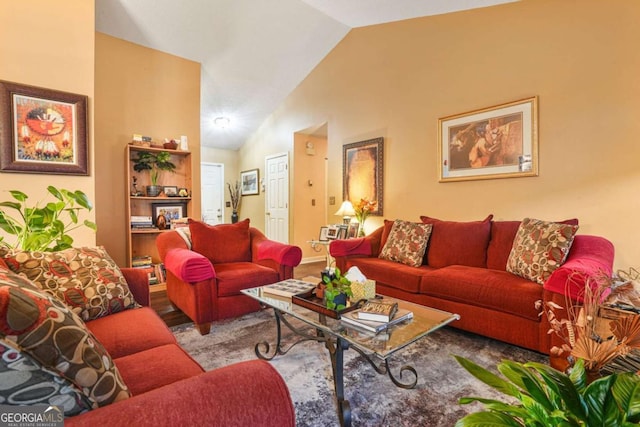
x=337 y=337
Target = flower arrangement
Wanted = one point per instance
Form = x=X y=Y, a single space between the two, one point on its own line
x=584 y=333
x=234 y=193
x=362 y=209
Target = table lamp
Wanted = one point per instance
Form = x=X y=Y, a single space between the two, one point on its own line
x=346 y=211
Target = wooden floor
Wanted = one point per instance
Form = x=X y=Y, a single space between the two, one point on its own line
x=172 y=317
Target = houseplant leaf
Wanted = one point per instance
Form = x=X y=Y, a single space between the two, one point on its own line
x=488 y=378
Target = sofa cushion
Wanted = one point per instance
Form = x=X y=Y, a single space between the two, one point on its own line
x=491 y=289
x=156 y=367
x=39 y=325
x=131 y=331
x=539 y=248
x=406 y=243
x=25 y=382
x=458 y=243
x=86 y=279
x=502 y=235
x=236 y=276
x=221 y=243
x=390 y=273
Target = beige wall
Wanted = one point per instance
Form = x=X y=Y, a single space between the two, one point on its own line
x=53 y=50
x=396 y=80
x=138 y=90
x=229 y=158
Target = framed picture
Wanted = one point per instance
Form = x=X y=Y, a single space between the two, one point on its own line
x=495 y=142
x=342 y=231
x=170 y=211
x=170 y=191
x=45 y=131
x=362 y=172
x=333 y=232
x=324 y=234
x=249 y=182
x=353 y=230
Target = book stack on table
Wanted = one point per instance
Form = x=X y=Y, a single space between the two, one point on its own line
x=376 y=316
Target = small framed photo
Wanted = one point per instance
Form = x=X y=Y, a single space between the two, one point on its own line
x=170 y=211
x=249 y=182
x=353 y=230
x=171 y=191
x=324 y=232
x=342 y=231
x=333 y=232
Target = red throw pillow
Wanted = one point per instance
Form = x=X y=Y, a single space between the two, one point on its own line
x=458 y=243
x=221 y=243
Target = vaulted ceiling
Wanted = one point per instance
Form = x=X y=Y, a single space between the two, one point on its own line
x=253 y=52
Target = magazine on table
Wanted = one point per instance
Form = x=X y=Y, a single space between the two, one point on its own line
x=352 y=319
x=288 y=288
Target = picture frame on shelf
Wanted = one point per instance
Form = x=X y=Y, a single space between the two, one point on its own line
x=362 y=172
x=333 y=232
x=342 y=231
x=45 y=131
x=170 y=211
x=353 y=230
x=249 y=182
x=324 y=234
x=170 y=191
x=493 y=142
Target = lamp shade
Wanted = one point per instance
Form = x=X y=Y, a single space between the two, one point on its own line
x=346 y=209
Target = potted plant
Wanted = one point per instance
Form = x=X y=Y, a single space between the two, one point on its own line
x=338 y=289
x=542 y=396
x=154 y=163
x=44 y=228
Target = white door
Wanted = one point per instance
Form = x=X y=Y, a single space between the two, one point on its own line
x=277 y=198
x=212 y=192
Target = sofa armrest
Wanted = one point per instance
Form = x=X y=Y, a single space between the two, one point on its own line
x=346 y=247
x=138 y=282
x=590 y=258
x=248 y=393
x=188 y=266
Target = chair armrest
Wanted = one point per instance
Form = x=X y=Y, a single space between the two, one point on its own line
x=243 y=394
x=188 y=266
x=589 y=259
x=281 y=253
x=138 y=282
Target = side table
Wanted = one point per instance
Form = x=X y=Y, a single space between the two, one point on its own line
x=317 y=246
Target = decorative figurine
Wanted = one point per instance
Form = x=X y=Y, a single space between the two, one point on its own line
x=161 y=222
x=135 y=191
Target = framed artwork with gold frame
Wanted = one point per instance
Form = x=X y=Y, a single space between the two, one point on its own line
x=362 y=172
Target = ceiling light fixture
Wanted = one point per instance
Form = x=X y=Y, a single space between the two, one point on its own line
x=221 y=122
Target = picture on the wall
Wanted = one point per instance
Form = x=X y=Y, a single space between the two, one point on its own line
x=362 y=172
x=249 y=182
x=494 y=142
x=45 y=132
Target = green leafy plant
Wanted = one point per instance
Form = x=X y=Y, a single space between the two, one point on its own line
x=43 y=228
x=547 y=397
x=336 y=284
x=154 y=163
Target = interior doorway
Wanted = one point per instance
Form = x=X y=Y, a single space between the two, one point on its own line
x=277 y=197
x=212 y=192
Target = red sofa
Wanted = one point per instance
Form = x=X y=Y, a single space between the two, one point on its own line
x=168 y=387
x=208 y=266
x=464 y=271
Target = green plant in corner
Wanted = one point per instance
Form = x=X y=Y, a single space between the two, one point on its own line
x=546 y=397
x=43 y=228
x=337 y=285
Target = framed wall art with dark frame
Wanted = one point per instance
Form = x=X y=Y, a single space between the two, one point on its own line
x=45 y=130
x=249 y=182
x=362 y=167
x=494 y=142
x=170 y=211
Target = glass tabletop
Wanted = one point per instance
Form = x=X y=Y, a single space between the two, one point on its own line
x=383 y=344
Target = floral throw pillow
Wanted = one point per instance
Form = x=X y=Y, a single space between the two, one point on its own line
x=539 y=248
x=43 y=329
x=406 y=243
x=86 y=279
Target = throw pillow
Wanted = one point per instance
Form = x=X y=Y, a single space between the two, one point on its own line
x=539 y=248
x=458 y=243
x=221 y=243
x=86 y=279
x=44 y=329
x=406 y=243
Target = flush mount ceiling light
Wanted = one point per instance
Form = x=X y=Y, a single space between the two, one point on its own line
x=221 y=122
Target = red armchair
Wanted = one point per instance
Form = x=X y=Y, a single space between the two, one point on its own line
x=208 y=266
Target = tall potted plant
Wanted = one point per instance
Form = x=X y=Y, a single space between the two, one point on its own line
x=43 y=228
x=154 y=163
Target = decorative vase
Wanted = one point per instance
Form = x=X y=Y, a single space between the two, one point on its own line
x=340 y=299
x=234 y=217
x=153 y=190
x=361 y=229
x=319 y=291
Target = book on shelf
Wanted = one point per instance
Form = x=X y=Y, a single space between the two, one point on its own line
x=352 y=319
x=288 y=288
x=378 y=311
x=141 y=261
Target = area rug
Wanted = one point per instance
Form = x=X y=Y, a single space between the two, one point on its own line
x=375 y=400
